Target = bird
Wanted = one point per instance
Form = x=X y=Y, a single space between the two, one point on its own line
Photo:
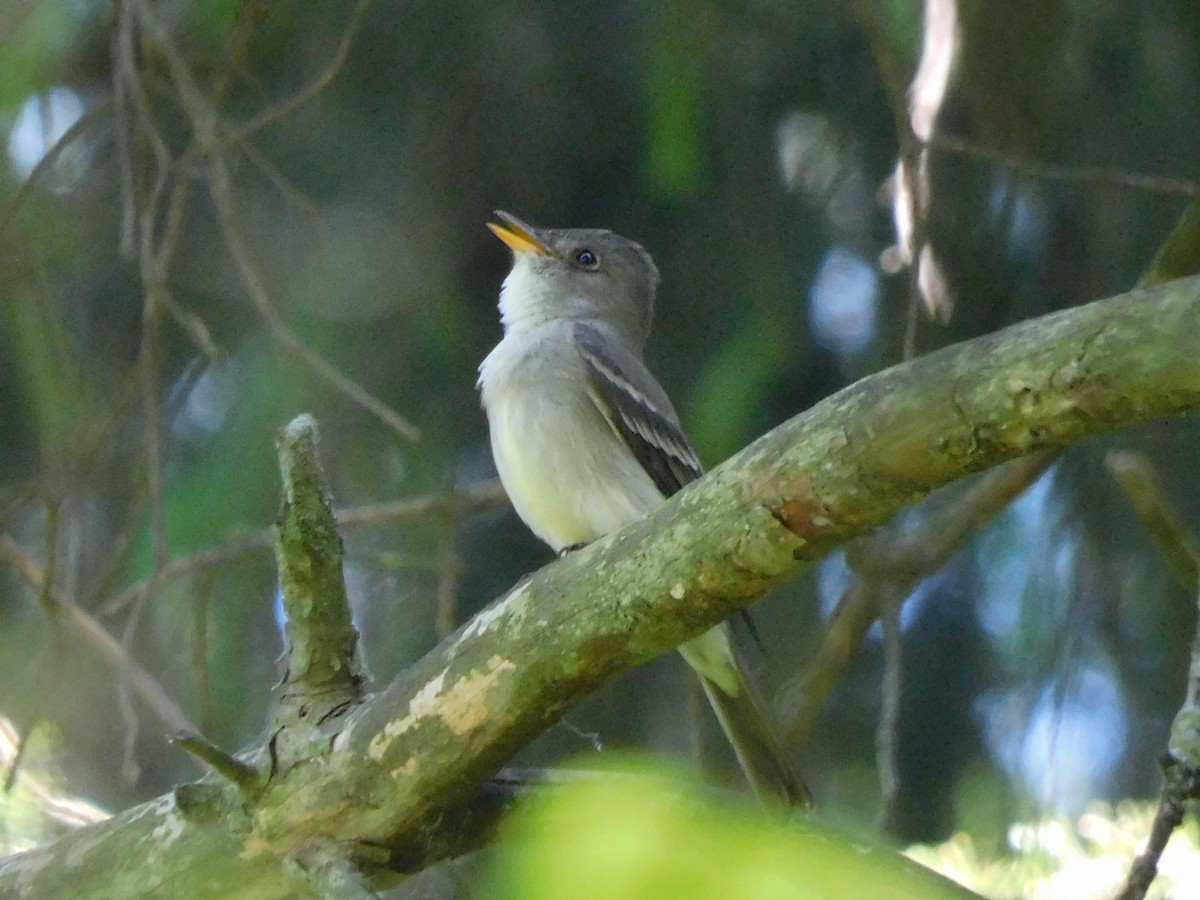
x=586 y=441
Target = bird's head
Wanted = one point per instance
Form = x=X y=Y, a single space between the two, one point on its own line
x=576 y=273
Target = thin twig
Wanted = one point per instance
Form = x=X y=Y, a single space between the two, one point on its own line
x=1093 y=175
x=245 y=777
x=121 y=132
x=142 y=682
x=459 y=503
x=221 y=189
x=480 y=497
x=289 y=106
x=1181 y=780
x=289 y=192
x=152 y=419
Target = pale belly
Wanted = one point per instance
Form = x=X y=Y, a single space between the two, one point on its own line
x=569 y=476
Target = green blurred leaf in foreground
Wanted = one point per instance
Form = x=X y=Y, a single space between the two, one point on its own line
x=647 y=836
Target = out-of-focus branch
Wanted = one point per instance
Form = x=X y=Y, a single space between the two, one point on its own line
x=1135 y=475
x=141 y=681
x=914 y=113
x=891 y=564
x=1181 y=766
x=1181 y=780
x=293 y=103
x=456 y=504
x=206 y=129
x=1047 y=171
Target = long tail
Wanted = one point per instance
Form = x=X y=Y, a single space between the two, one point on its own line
x=743 y=716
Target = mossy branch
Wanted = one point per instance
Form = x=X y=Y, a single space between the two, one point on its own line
x=322 y=679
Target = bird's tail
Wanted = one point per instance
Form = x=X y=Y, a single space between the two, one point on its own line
x=742 y=713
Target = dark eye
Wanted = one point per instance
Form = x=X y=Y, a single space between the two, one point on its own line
x=586 y=258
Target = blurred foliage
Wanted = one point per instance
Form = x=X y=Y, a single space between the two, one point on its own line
x=1059 y=859
x=640 y=836
x=743 y=144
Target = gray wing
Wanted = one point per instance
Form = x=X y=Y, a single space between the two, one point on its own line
x=638 y=411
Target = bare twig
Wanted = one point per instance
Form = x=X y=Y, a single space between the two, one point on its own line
x=142 y=682
x=447 y=590
x=50 y=569
x=1181 y=786
x=289 y=192
x=148 y=377
x=457 y=503
x=221 y=188
x=222 y=555
x=247 y=779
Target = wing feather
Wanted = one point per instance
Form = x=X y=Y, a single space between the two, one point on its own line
x=641 y=416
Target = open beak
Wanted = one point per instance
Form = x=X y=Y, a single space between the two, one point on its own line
x=520 y=237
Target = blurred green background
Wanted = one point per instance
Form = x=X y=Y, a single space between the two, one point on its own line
x=744 y=144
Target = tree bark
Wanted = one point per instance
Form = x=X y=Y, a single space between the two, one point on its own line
x=431 y=737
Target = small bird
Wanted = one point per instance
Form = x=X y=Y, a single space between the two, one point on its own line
x=586 y=441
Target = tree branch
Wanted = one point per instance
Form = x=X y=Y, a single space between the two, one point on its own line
x=829 y=474
x=323 y=673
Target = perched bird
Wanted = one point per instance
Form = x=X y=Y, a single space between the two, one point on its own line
x=586 y=441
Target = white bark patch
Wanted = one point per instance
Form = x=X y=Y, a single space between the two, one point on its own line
x=420 y=706
x=462 y=707
x=405 y=771
x=511 y=606
x=171 y=827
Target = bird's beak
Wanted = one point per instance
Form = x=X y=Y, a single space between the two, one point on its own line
x=520 y=237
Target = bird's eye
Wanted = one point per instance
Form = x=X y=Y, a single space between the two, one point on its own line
x=586 y=258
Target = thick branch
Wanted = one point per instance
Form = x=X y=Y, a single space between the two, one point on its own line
x=818 y=480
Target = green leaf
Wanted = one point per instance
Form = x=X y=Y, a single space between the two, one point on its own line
x=645 y=836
